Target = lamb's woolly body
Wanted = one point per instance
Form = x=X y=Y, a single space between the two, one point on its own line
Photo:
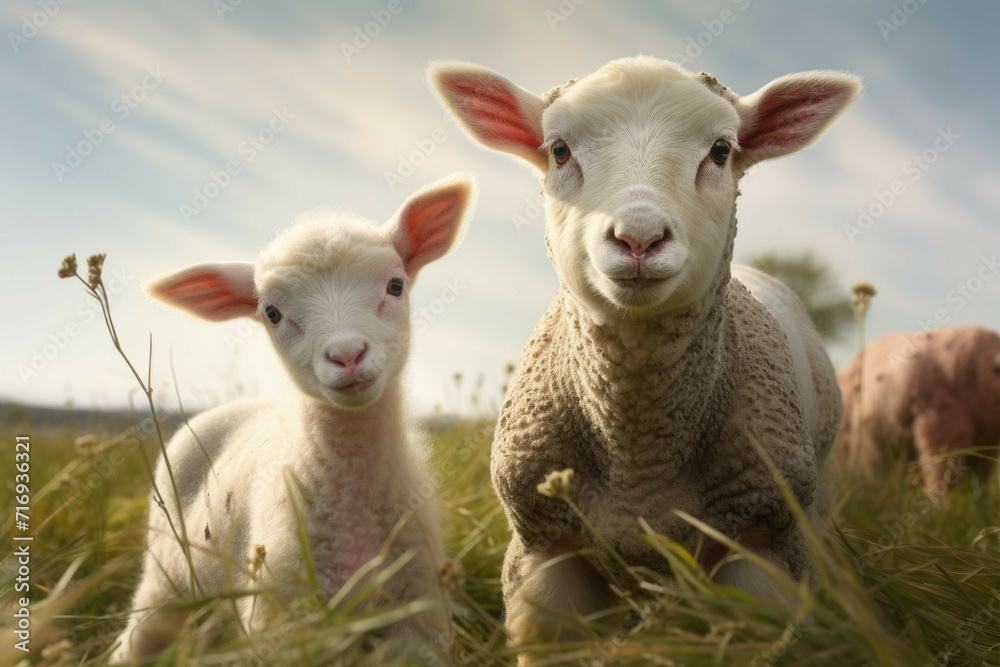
x=603 y=399
x=356 y=478
x=341 y=453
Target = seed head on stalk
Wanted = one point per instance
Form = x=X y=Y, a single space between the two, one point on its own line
x=94 y=286
x=861 y=297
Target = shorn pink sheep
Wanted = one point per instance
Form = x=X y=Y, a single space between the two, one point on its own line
x=333 y=294
x=923 y=396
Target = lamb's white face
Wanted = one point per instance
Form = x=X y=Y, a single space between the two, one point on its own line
x=332 y=291
x=640 y=188
x=342 y=331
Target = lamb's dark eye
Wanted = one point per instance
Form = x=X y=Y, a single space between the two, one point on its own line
x=395 y=287
x=719 y=151
x=560 y=151
x=272 y=314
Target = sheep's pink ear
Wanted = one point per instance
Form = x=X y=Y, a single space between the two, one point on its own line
x=432 y=220
x=214 y=292
x=495 y=111
x=791 y=112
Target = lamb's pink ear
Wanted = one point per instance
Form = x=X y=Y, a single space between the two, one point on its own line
x=495 y=111
x=791 y=112
x=215 y=292
x=432 y=220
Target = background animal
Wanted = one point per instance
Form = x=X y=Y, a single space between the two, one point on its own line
x=655 y=366
x=332 y=293
x=922 y=396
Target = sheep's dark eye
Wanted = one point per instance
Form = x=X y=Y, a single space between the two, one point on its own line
x=395 y=287
x=560 y=151
x=272 y=314
x=719 y=151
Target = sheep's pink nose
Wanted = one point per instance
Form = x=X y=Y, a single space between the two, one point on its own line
x=637 y=249
x=349 y=360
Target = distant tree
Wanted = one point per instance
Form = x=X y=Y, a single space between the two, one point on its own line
x=814 y=282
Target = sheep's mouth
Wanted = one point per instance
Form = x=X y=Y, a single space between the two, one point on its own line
x=640 y=277
x=637 y=282
x=354 y=385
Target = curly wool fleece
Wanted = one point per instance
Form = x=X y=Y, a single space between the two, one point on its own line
x=658 y=414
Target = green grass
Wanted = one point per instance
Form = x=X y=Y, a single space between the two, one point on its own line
x=903 y=581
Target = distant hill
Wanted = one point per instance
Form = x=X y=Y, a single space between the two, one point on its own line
x=34 y=419
x=73 y=422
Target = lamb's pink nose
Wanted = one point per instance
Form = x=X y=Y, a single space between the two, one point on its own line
x=637 y=249
x=348 y=361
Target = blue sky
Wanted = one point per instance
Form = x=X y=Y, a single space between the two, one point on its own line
x=198 y=79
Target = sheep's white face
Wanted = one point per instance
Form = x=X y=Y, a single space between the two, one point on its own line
x=343 y=331
x=640 y=163
x=640 y=188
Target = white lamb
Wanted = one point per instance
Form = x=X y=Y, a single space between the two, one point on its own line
x=655 y=366
x=333 y=293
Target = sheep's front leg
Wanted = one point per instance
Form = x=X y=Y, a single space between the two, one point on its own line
x=752 y=578
x=150 y=629
x=427 y=637
x=543 y=596
x=944 y=427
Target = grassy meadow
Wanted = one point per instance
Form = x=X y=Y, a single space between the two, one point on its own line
x=904 y=581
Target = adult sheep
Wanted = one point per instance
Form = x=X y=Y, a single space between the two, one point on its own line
x=923 y=396
x=655 y=365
